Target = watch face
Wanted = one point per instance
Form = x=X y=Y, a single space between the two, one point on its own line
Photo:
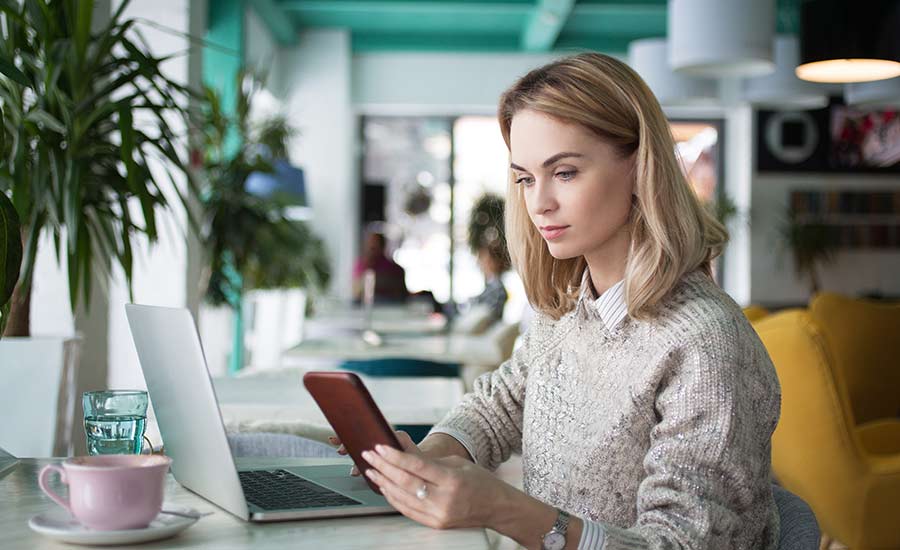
x=554 y=541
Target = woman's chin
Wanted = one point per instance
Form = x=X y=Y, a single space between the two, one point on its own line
x=561 y=252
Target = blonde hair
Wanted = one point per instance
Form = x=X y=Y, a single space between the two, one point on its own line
x=671 y=232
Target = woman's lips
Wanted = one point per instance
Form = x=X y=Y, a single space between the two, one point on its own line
x=553 y=232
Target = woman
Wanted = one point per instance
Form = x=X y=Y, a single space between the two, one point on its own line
x=641 y=399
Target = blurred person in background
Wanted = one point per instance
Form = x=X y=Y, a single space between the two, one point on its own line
x=390 y=278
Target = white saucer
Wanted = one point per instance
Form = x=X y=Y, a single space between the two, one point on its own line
x=59 y=525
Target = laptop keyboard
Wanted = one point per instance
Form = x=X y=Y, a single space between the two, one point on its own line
x=282 y=490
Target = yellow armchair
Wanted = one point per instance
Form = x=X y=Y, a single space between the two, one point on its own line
x=817 y=451
x=754 y=312
x=864 y=337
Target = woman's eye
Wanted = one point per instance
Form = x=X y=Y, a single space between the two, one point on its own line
x=523 y=180
x=567 y=175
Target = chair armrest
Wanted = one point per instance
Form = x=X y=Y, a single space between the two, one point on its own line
x=880 y=436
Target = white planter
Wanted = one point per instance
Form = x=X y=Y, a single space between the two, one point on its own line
x=38 y=386
x=274 y=323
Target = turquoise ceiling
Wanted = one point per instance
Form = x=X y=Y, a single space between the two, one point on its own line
x=483 y=25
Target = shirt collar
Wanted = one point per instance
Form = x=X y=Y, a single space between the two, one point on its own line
x=610 y=306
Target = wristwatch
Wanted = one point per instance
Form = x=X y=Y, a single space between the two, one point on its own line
x=556 y=538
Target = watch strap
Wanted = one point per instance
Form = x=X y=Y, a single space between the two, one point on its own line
x=562 y=522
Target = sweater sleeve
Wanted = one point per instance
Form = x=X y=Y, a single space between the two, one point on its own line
x=488 y=420
x=707 y=482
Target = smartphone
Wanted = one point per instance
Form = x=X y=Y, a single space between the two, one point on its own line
x=352 y=413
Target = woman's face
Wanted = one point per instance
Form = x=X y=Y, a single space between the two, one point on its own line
x=577 y=188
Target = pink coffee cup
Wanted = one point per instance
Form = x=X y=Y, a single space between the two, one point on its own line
x=111 y=492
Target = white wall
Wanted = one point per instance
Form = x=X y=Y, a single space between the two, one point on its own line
x=436 y=83
x=314 y=81
x=260 y=49
x=853 y=272
x=159 y=271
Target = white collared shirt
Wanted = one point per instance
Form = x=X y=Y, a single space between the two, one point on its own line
x=610 y=306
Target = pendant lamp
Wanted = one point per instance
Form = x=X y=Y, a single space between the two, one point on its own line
x=721 y=38
x=881 y=93
x=649 y=57
x=843 y=41
x=782 y=89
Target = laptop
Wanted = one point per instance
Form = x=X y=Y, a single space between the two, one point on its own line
x=187 y=412
x=7 y=463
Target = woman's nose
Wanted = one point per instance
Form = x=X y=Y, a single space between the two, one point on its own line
x=543 y=198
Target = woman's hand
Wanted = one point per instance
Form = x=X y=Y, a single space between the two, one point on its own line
x=445 y=493
x=406 y=443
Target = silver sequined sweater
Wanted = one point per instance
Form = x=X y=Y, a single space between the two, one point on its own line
x=657 y=433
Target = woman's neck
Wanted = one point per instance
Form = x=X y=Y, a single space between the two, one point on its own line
x=607 y=263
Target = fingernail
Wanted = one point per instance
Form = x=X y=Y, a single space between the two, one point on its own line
x=367 y=454
x=371 y=473
x=380 y=449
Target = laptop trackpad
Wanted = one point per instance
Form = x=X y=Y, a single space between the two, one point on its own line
x=336 y=477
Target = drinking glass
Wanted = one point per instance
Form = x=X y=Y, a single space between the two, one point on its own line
x=114 y=421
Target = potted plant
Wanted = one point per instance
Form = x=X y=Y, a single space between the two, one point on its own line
x=812 y=244
x=85 y=113
x=76 y=164
x=250 y=240
x=10 y=255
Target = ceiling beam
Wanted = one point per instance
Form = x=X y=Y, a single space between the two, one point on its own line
x=545 y=23
x=277 y=21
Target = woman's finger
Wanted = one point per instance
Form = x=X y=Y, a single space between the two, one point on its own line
x=406 y=442
x=399 y=494
x=407 y=481
x=411 y=513
x=415 y=464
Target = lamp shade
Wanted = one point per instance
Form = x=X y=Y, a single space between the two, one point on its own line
x=875 y=94
x=782 y=89
x=649 y=57
x=721 y=38
x=285 y=183
x=842 y=41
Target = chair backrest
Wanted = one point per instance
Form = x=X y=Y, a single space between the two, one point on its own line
x=799 y=528
x=266 y=444
x=38 y=377
x=475 y=320
x=864 y=338
x=815 y=453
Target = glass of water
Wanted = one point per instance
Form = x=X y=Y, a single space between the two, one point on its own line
x=114 y=421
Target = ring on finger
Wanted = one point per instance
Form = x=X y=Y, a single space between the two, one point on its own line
x=422 y=492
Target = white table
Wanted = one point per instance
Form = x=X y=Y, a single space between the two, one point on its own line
x=277 y=402
x=385 y=319
x=21 y=499
x=447 y=348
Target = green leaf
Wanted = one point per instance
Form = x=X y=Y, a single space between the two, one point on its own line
x=43 y=117
x=14 y=74
x=10 y=249
x=83 y=14
x=126 y=130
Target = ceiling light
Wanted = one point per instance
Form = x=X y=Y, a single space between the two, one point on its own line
x=844 y=42
x=649 y=58
x=782 y=89
x=881 y=93
x=721 y=38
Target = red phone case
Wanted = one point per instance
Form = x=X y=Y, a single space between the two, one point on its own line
x=352 y=413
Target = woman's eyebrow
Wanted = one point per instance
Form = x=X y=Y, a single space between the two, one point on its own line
x=549 y=161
